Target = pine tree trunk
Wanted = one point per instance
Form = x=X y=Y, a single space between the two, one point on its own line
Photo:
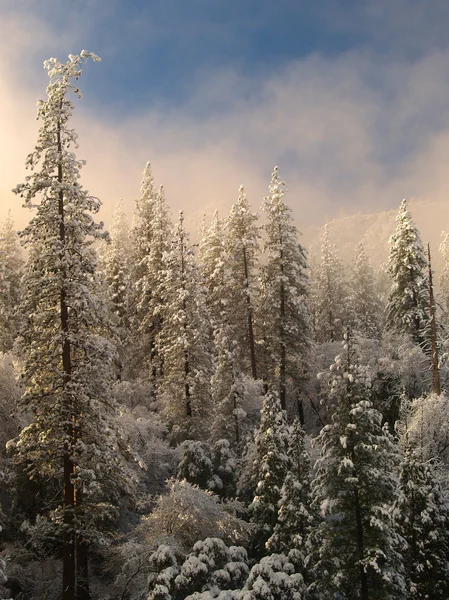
x=360 y=547
x=433 y=330
x=236 y=416
x=68 y=555
x=300 y=406
x=82 y=572
x=252 y=348
x=68 y=567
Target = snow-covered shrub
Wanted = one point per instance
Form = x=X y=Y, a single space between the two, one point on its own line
x=188 y=513
x=274 y=578
x=146 y=437
x=210 y=467
x=210 y=567
x=195 y=465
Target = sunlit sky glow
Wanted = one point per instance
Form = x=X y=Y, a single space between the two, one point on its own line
x=350 y=99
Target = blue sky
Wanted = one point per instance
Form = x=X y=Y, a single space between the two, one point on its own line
x=349 y=97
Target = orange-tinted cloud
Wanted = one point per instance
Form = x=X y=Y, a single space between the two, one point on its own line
x=341 y=142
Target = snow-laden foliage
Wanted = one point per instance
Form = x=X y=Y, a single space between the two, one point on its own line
x=215 y=271
x=211 y=566
x=241 y=252
x=328 y=294
x=228 y=381
x=196 y=464
x=188 y=513
x=147 y=435
x=10 y=393
x=151 y=240
x=211 y=467
x=408 y=303
x=296 y=516
x=422 y=514
x=213 y=571
x=114 y=265
x=184 y=342
x=271 y=466
x=11 y=266
x=356 y=549
x=364 y=300
x=425 y=421
x=68 y=358
x=284 y=316
x=274 y=578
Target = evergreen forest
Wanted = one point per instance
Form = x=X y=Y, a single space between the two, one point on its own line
x=232 y=419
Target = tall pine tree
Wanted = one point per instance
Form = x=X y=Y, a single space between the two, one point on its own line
x=328 y=294
x=71 y=438
x=422 y=515
x=408 y=303
x=184 y=342
x=296 y=516
x=151 y=237
x=284 y=312
x=356 y=547
x=242 y=247
x=115 y=266
x=365 y=304
x=270 y=467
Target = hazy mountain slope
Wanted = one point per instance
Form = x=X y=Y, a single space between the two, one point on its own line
x=374 y=231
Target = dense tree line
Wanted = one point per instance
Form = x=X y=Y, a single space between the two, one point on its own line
x=220 y=420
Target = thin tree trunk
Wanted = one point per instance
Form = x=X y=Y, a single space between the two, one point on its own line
x=252 y=347
x=360 y=546
x=68 y=566
x=433 y=330
x=81 y=549
x=300 y=406
x=82 y=571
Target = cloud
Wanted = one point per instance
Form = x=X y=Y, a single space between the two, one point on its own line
x=351 y=133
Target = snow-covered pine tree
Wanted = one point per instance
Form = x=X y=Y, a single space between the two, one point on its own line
x=114 y=263
x=283 y=311
x=422 y=514
x=227 y=386
x=10 y=275
x=71 y=439
x=242 y=247
x=328 y=294
x=272 y=464
x=151 y=239
x=184 y=342
x=408 y=303
x=212 y=263
x=296 y=516
x=364 y=301
x=356 y=548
